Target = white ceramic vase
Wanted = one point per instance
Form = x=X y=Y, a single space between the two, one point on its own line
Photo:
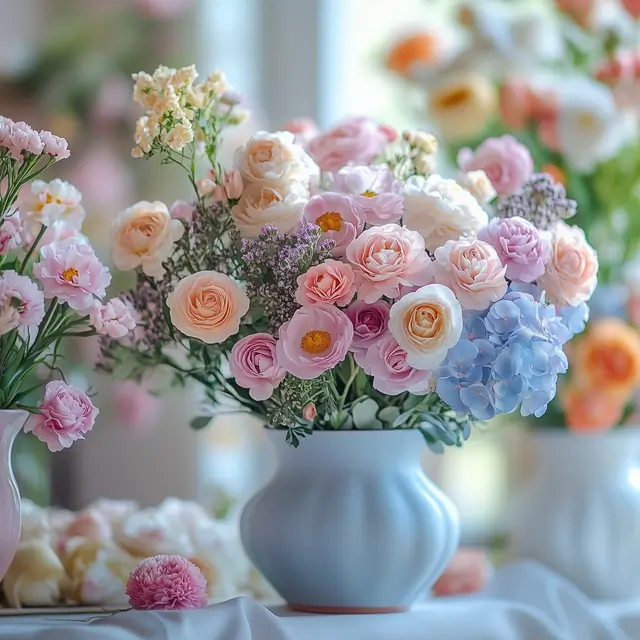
x=349 y=523
x=580 y=514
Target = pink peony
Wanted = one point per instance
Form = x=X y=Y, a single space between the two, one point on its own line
x=387 y=362
x=70 y=271
x=316 y=339
x=21 y=302
x=181 y=210
x=388 y=258
x=354 y=140
x=66 y=414
x=254 y=366
x=10 y=233
x=56 y=147
x=135 y=407
x=472 y=269
x=336 y=215
x=167 y=582
x=114 y=319
x=370 y=323
x=331 y=282
x=507 y=163
x=519 y=245
x=304 y=129
x=376 y=193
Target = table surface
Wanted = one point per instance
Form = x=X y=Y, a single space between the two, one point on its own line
x=523 y=602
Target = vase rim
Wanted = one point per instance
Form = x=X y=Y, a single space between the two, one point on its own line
x=562 y=432
x=342 y=431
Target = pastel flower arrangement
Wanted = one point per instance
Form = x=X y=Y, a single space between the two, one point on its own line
x=342 y=284
x=52 y=287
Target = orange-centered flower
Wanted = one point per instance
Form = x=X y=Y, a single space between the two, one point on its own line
x=369 y=194
x=70 y=273
x=329 y=221
x=315 y=341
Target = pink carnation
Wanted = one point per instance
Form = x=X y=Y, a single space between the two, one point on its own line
x=167 y=582
x=507 y=163
x=520 y=246
x=391 y=372
x=55 y=146
x=316 y=339
x=254 y=366
x=10 y=233
x=388 y=258
x=331 y=281
x=66 y=414
x=354 y=140
x=70 y=271
x=114 y=319
x=376 y=193
x=336 y=215
x=21 y=302
x=24 y=139
x=370 y=323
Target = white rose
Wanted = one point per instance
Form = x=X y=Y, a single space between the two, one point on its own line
x=426 y=324
x=262 y=205
x=477 y=183
x=440 y=210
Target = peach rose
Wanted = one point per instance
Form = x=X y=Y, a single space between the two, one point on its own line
x=143 y=236
x=332 y=282
x=571 y=274
x=207 y=305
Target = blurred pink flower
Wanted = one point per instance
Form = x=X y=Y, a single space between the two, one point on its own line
x=135 y=407
x=182 y=210
x=89 y=523
x=632 y=7
x=10 y=233
x=114 y=319
x=162 y=9
x=468 y=572
x=21 y=302
x=304 y=129
x=548 y=134
x=112 y=98
x=331 y=282
x=515 y=103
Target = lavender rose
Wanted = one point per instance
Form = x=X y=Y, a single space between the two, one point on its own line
x=370 y=323
x=521 y=247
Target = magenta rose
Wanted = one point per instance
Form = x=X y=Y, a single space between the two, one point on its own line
x=507 y=163
x=66 y=414
x=354 y=140
x=253 y=365
x=370 y=323
x=520 y=246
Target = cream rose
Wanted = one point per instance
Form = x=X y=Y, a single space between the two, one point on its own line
x=207 y=305
x=262 y=205
x=440 y=210
x=143 y=235
x=426 y=324
x=571 y=274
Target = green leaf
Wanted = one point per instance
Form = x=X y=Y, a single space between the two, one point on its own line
x=388 y=414
x=200 y=422
x=364 y=414
x=403 y=418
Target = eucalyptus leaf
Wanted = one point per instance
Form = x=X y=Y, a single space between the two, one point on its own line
x=388 y=414
x=200 y=422
x=347 y=423
x=402 y=418
x=364 y=414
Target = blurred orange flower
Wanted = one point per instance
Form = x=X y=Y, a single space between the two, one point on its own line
x=555 y=172
x=591 y=409
x=417 y=49
x=515 y=103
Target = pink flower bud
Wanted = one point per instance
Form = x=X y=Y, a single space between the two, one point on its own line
x=233 y=184
x=206 y=186
x=219 y=194
x=309 y=412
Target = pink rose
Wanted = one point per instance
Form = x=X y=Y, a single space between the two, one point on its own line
x=472 y=270
x=507 y=163
x=181 y=210
x=114 y=319
x=331 y=282
x=136 y=408
x=21 y=302
x=336 y=215
x=304 y=129
x=70 y=271
x=316 y=339
x=571 y=273
x=253 y=365
x=10 y=233
x=388 y=258
x=66 y=414
x=354 y=140
x=370 y=323
x=519 y=245
x=387 y=362
x=376 y=193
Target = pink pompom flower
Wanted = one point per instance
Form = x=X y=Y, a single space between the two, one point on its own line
x=10 y=233
x=370 y=323
x=66 y=414
x=331 y=281
x=71 y=271
x=507 y=163
x=253 y=365
x=167 y=582
x=316 y=339
x=376 y=193
x=114 y=319
x=21 y=302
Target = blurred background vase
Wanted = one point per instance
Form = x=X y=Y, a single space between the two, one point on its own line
x=580 y=513
x=350 y=523
x=11 y=422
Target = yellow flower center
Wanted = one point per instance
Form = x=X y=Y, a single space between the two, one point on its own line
x=315 y=341
x=454 y=98
x=587 y=120
x=369 y=194
x=70 y=273
x=330 y=221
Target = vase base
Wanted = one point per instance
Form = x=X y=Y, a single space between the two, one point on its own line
x=311 y=608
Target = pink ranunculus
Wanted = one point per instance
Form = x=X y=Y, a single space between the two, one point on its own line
x=304 y=129
x=254 y=366
x=114 y=319
x=507 y=163
x=331 y=282
x=522 y=249
x=336 y=215
x=136 y=409
x=370 y=323
x=10 y=233
x=316 y=339
x=354 y=140
x=387 y=362
x=71 y=271
x=21 y=302
x=66 y=414
x=387 y=258
x=472 y=269
x=55 y=146
x=376 y=193
x=181 y=210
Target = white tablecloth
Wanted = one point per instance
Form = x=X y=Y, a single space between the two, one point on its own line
x=523 y=602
